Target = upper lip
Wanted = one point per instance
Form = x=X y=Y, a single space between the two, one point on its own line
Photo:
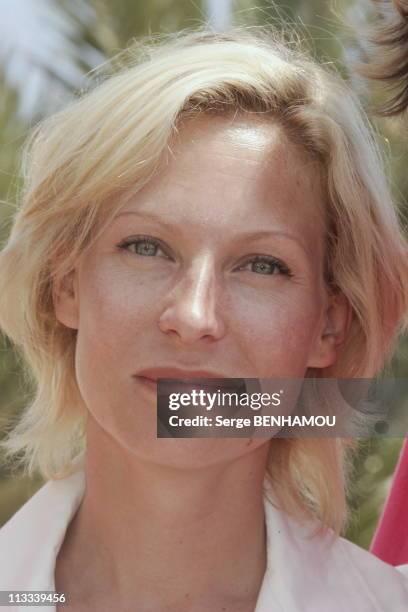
x=178 y=373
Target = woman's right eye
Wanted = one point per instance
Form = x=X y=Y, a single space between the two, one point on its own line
x=145 y=246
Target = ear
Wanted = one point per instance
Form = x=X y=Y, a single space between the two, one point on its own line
x=65 y=298
x=336 y=323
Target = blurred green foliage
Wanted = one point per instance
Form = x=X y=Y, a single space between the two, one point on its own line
x=324 y=30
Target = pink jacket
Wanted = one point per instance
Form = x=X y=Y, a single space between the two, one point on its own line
x=390 y=541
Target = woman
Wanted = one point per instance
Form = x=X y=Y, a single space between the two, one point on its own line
x=215 y=209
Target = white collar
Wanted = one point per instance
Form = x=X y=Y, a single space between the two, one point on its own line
x=303 y=574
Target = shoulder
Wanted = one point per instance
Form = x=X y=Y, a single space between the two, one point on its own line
x=403 y=569
x=30 y=540
x=384 y=584
x=378 y=584
x=326 y=572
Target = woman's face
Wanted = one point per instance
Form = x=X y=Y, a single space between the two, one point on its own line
x=217 y=266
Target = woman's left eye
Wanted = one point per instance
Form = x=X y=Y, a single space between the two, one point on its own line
x=266 y=265
x=145 y=246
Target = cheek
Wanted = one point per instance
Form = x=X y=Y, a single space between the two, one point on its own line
x=115 y=310
x=279 y=329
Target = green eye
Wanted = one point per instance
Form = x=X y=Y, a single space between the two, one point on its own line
x=267 y=266
x=146 y=246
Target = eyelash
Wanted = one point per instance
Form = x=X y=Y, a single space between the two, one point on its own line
x=283 y=269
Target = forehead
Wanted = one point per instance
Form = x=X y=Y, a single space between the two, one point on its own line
x=234 y=171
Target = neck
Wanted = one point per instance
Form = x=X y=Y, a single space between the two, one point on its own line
x=198 y=534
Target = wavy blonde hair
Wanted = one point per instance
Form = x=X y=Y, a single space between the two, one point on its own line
x=81 y=160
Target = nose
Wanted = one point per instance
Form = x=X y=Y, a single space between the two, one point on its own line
x=192 y=311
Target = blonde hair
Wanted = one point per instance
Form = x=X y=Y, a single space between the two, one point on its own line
x=111 y=139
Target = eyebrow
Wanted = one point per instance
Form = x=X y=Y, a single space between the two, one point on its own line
x=246 y=235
